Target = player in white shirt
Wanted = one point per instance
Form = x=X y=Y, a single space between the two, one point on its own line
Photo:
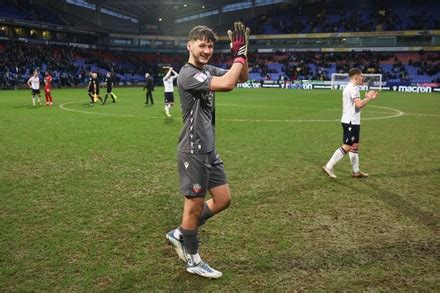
x=351 y=120
x=168 y=81
x=34 y=84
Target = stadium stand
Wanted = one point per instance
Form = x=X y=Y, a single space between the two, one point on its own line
x=71 y=55
x=70 y=65
x=8 y=9
x=410 y=67
x=23 y=10
x=346 y=17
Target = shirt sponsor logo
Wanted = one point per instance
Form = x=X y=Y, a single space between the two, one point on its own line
x=200 y=76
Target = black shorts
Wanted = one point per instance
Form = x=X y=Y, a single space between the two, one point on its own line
x=200 y=172
x=169 y=97
x=109 y=90
x=351 y=133
x=91 y=91
x=35 y=92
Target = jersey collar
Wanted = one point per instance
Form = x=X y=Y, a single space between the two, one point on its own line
x=192 y=65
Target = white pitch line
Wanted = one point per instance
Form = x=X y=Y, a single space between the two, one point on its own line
x=94 y=113
x=278 y=120
x=422 y=114
x=293 y=107
x=396 y=114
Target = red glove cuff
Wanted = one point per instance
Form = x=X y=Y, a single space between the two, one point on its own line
x=239 y=60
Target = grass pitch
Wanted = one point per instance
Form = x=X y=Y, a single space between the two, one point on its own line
x=88 y=193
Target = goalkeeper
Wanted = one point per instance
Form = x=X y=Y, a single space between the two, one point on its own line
x=200 y=168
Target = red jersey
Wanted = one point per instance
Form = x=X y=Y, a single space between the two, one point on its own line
x=48 y=82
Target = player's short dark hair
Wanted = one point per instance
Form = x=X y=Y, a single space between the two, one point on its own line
x=353 y=72
x=202 y=33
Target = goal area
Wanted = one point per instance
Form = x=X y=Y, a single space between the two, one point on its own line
x=372 y=81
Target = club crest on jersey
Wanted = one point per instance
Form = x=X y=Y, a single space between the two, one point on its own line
x=197 y=188
x=210 y=96
x=186 y=165
x=200 y=76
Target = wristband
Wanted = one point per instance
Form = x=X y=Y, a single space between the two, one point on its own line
x=239 y=60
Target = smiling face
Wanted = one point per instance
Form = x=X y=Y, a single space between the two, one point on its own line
x=200 y=45
x=200 y=51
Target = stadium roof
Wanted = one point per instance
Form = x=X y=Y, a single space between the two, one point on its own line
x=150 y=11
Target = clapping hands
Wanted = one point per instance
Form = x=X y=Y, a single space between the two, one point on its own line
x=371 y=95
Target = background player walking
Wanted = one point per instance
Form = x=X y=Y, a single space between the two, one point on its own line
x=94 y=88
x=168 y=81
x=351 y=120
x=109 y=85
x=48 y=88
x=150 y=88
x=34 y=83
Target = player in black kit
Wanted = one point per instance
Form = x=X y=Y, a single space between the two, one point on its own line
x=109 y=85
x=94 y=88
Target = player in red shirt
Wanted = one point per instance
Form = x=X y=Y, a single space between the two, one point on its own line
x=48 y=88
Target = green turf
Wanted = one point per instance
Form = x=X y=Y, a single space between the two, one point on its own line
x=87 y=194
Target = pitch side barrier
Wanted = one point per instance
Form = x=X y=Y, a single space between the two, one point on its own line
x=415 y=88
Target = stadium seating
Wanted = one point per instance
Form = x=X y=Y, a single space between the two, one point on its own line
x=411 y=69
x=71 y=66
x=315 y=18
x=27 y=11
x=12 y=11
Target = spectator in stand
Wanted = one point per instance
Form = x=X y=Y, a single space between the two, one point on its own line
x=70 y=65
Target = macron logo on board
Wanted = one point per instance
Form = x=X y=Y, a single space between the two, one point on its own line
x=414 y=89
